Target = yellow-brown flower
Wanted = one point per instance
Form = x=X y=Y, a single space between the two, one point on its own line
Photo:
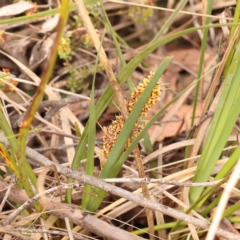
x=154 y=97
x=111 y=133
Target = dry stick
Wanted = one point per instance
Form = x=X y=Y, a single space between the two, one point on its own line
x=75 y=215
x=55 y=105
x=5 y=198
x=60 y=103
x=160 y=181
x=41 y=221
x=29 y=202
x=141 y=201
x=60 y=147
x=68 y=228
x=120 y=100
x=16 y=236
x=140 y=168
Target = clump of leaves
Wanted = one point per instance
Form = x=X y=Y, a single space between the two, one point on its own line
x=139 y=14
x=64 y=48
x=77 y=22
x=75 y=80
x=96 y=15
x=76 y=77
x=75 y=38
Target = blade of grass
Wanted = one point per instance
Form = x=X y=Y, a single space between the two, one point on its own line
x=235 y=207
x=235 y=19
x=169 y=21
x=89 y=165
x=11 y=162
x=200 y=68
x=47 y=13
x=222 y=124
x=110 y=170
x=147 y=141
x=233 y=29
x=221 y=175
x=7 y=130
x=228 y=166
x=107 y=96
x=118 y=49
x=202 y=53
x=156 y=228
x=26 y=171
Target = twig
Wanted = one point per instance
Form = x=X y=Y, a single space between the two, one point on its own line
x=160 y=181
x=59 y=103
x=45 y=236
x=55 y=107
x=17 y=236
x=5 y=198
x=75 y=215
x=68 y=228
x=60 y=134
x=144 y=202
x=30 y=201
x=205 y=117
x=60 y=147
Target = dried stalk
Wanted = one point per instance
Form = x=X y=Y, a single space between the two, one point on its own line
x=120 y=100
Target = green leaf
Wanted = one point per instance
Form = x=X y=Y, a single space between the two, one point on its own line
x=222 y=124
x=201 y=61
x=27 y=176
x=89 y=165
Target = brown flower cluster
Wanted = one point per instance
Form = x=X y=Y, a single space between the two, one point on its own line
x=154 y=97
x=112 y=132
